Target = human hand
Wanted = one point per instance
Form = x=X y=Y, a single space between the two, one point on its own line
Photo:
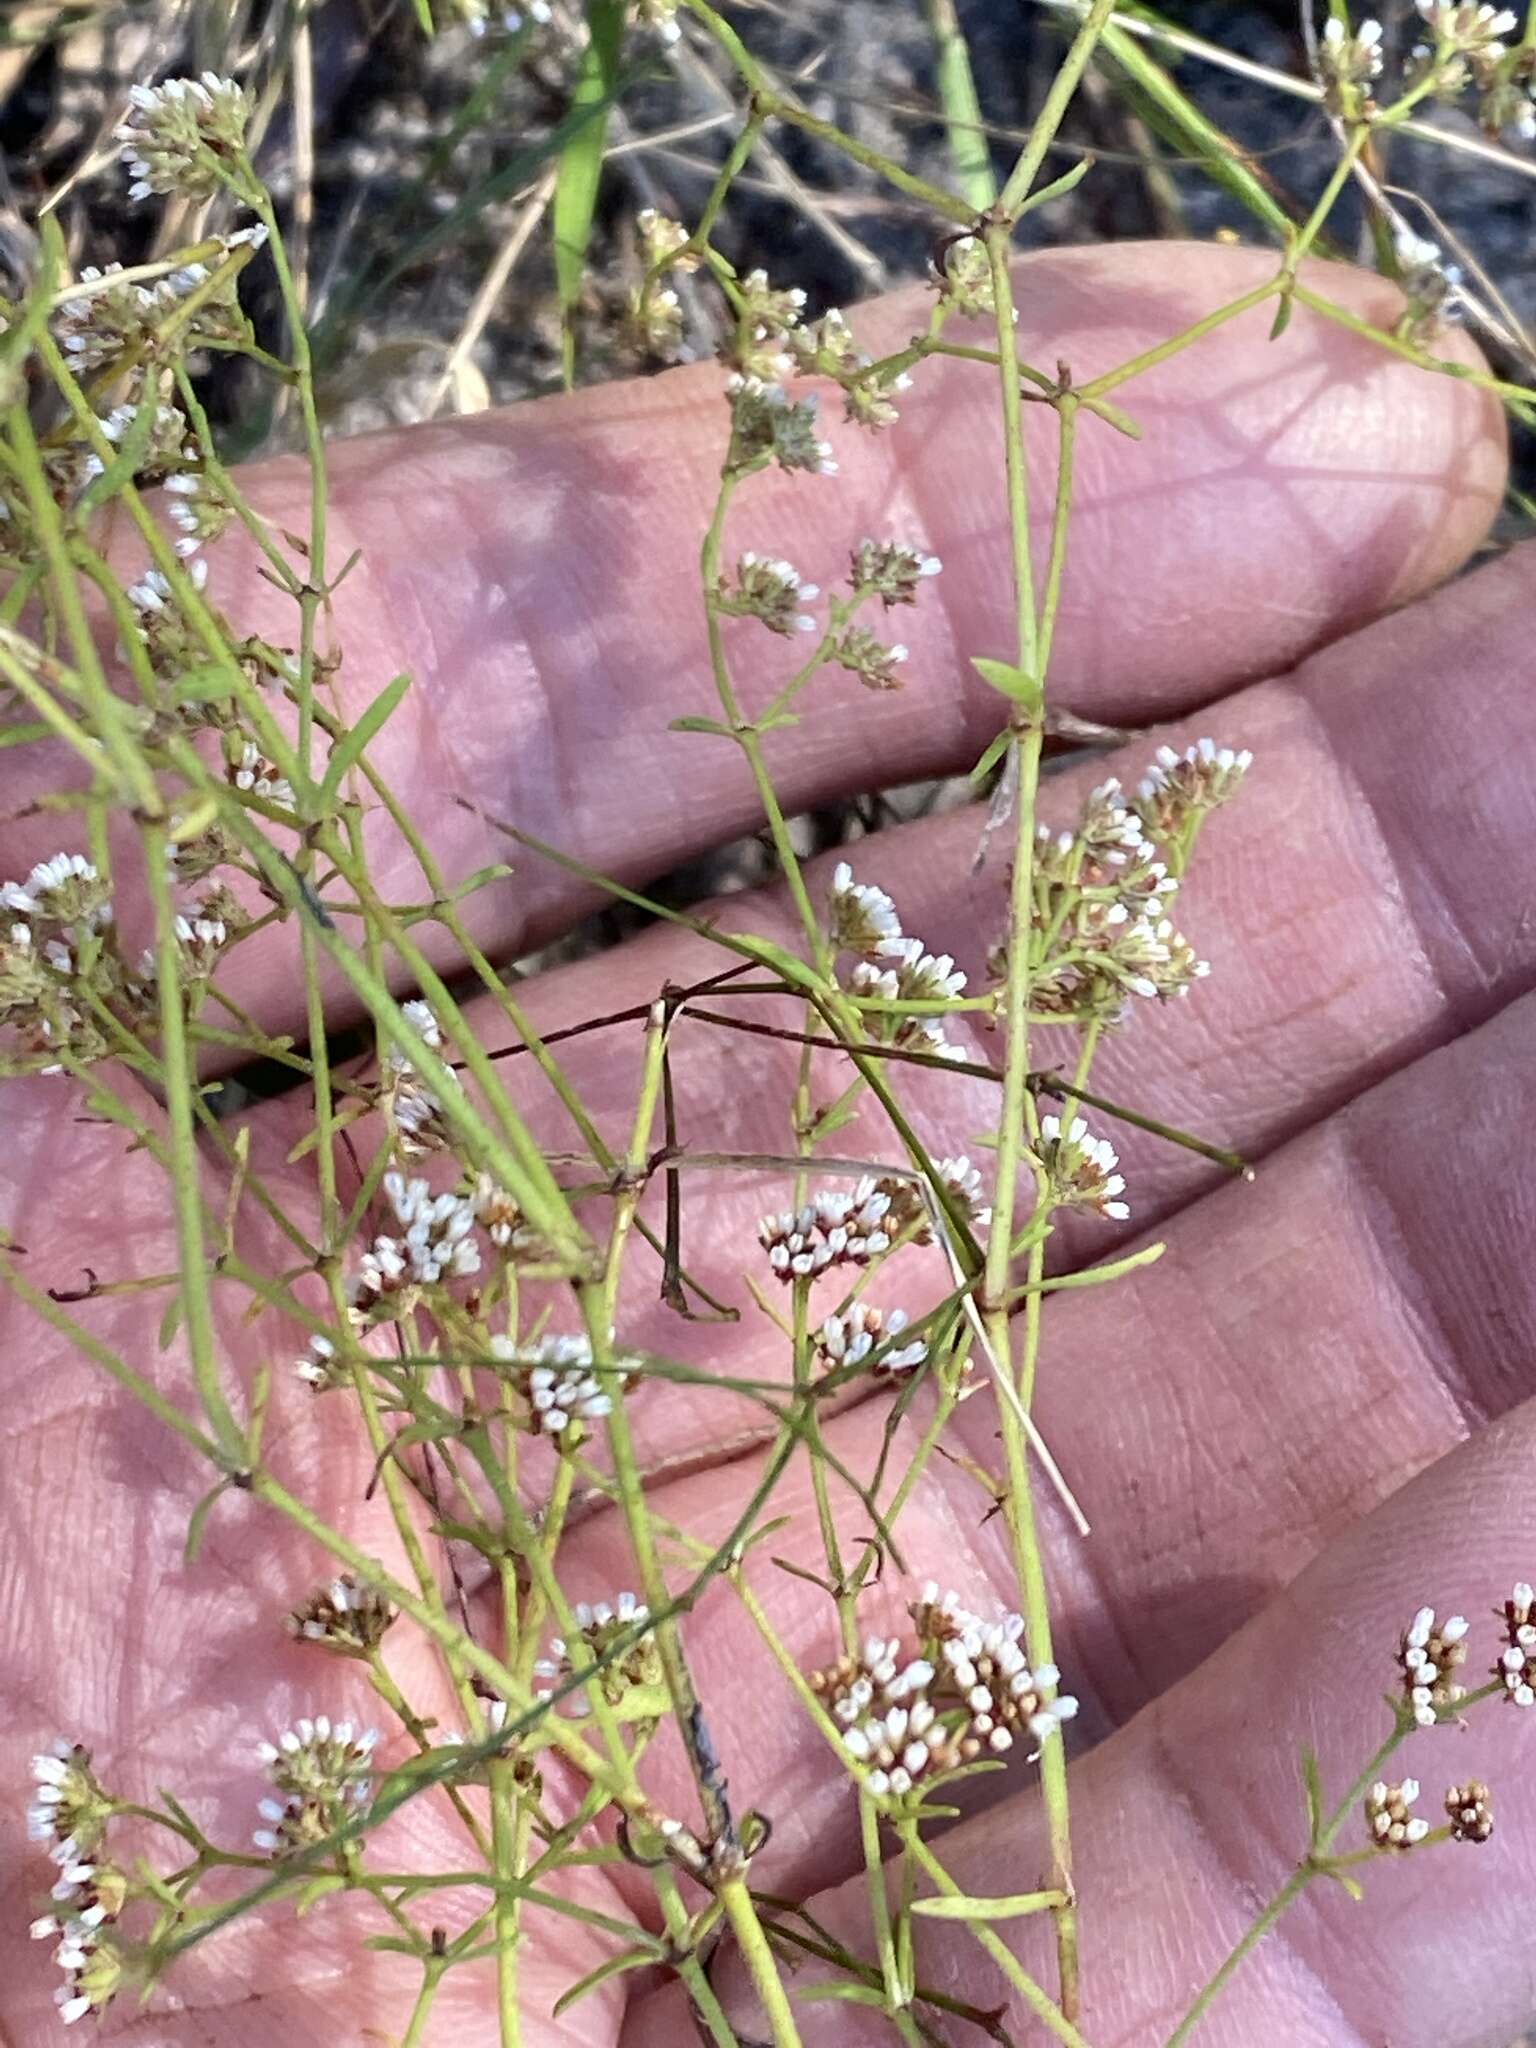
x=1250 y=1404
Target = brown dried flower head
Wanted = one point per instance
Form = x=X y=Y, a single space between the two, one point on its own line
x=1470 y=1807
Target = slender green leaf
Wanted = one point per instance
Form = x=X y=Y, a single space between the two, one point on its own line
x=317 y=1889
x=1012 y=1908
x=198 y=1522
x=627 y=1959
x=994 y=753
x=850 y=1994
x=1312 y=1783
x=349 y=750
x=1059 y=187
x=1010 y=682
x=170 y=1323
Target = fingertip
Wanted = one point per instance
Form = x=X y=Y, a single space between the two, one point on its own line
x=1283 y=490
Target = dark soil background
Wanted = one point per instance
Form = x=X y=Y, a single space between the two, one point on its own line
x=402 y=232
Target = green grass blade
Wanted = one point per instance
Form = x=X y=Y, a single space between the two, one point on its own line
x=1171 y=114
x=956 y=83
x=581 y=165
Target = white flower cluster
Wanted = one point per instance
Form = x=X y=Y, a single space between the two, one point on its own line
x=182 y=135
x=1517 y=1660
x=663 y=241
x=1469 y=1808
x=962 y=1182
x=1428 y=1655
x=69 y=1811
x=986 y=1666
x=891 y=571
x=255 y=775
x=826 y=347
x=415 y=1113
x=914 y=976
x=1390 y=1817
x=909 y=1215
x=1464 y=51
x=832 y=1229
x=557 y=1379
x=1103 y=896
x=435 y=1241
x=863 y=919
x=600 y=1625
x=1110 y=835
x=318 y=1368
x=659 y=15
x=58 y=913
x=965 y=275
x=66 y=890
x=849 y=1339
x=202 y=934
x=1178 y=787
x=502 y=1219
x=1468 y=25
x=868 y=401
x=346 y=1616
x=1082 y=1169
x=152 y=594
x=322 y=1771
x=869 y=658
x=94 y=326
x=762 y=347
x=91 y=1961
x=477 y=16
x=193 y=504
x=909 y=1719
x=766 y=421
x=886 y=1719
x=1348 y=57
x=772 y=591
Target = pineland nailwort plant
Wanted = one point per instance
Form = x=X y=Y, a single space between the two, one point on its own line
x=461 y=1286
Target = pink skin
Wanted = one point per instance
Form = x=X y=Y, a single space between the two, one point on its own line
x=1306 y=1347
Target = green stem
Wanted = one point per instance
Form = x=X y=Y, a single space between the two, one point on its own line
x=746 y=735
x=1163 y=351
x=759 y=1959
x=1017 y=1104
x=1049 y=2014
x=186 y=1195
x=1049 y=119
x=1312 y=1865
x=432 y=1976
x=509 y=1841
x=312 y=595
x=106 y=709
